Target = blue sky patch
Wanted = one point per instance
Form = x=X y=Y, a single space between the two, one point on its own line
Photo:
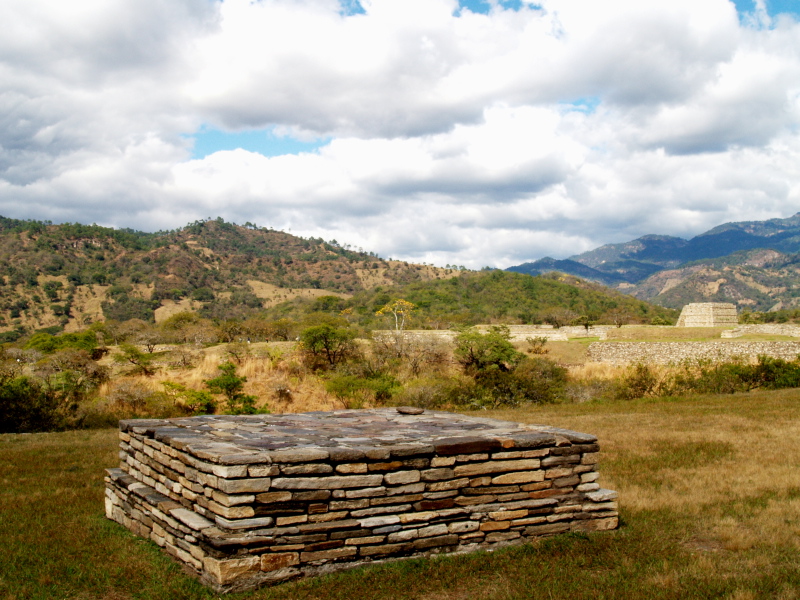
x=264 y=141
x=774 y=7
x=351 y=7
x=483 y=6
x=585 y=105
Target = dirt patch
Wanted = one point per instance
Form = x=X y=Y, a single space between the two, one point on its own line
x=272 y=294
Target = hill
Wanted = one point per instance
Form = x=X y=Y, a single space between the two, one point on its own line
x=68 y=276
x=65 y=277
x=750 y=263
x=492 y=296
x=755 y=280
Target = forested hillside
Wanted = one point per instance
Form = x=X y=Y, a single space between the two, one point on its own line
x=491 y=296
x=68 y=276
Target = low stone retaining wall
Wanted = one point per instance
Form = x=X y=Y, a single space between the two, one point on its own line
x=248 y=500
x=769 y=329
x=675 y=352
x=519 y=333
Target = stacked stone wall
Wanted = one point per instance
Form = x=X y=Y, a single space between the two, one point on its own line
x=675 y=352
x=768 y=329
x=708 y=314
x=240 y=517
x=519 y=333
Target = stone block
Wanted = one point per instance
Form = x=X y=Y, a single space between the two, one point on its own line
x=335 y=482
x=336 y=554
x=229 y=570
x=520 y=477
x=500 y=466
x=244 y=486
x=401 y=477
x=279 y=560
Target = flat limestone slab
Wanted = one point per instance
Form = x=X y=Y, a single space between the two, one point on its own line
x=249 y=500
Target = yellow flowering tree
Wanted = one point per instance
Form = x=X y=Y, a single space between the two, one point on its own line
x=401 y=310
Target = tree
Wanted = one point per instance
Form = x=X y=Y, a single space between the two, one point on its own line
x=142 y=363
x=476 y=351
x=401 y=310
x=584 y=321
x=619 y=316
x=328 y=343
x=231 y=385
x=70 y=375
x=560 y=317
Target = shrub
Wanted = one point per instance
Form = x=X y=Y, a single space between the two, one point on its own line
x=638 y=381
x=140 y=362
x=379 y=389
x=231 y=385
x=327 y=344
x=476 y=351
x=25 y=406
x=47 y=343
x=193 y=402
x=777 y=373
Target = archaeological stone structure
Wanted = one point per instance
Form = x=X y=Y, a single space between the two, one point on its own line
x=708 y=314
x=676 y=352
x=249 y=500
x=784 y=329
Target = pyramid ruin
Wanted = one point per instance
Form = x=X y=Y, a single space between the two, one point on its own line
x=708 y=314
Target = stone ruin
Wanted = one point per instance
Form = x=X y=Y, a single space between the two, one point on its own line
x=249 y=500
x=708 y=314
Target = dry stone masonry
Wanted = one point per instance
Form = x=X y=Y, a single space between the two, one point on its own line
x=708 y=314
x=676 y=352
x=762 y=329
x=248 y=500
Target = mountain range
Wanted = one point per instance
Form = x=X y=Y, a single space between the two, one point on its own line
x=753 y=264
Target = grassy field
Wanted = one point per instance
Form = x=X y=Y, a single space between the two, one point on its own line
x=709 y=496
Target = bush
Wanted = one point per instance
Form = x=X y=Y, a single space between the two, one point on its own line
x=359 y=390
x=327 y=344
x=638 y=381
x=46 y=343
x=476 y=351
x=231 y=385
x=25 y=406
x=193 y=402
x=777 y=373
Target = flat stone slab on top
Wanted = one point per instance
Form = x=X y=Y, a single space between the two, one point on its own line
x=343 y=435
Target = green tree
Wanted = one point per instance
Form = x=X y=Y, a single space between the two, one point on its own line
x=476 y=351
x=231 y=386
x=141 y=362
x=328 y=343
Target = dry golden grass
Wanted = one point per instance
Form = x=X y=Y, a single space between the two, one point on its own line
x=565 y=353
x=273 y=370
x=728 y=462
x=650 y=333
x=596 y=370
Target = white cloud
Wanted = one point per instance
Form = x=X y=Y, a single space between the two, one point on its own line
x=454 y=139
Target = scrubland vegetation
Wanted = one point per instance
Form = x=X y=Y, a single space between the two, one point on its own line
x=190 y=365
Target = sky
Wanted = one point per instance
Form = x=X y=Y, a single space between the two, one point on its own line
x=477 y=133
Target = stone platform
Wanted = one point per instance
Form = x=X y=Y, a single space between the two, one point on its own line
x=248 y=500
x=708 y=314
